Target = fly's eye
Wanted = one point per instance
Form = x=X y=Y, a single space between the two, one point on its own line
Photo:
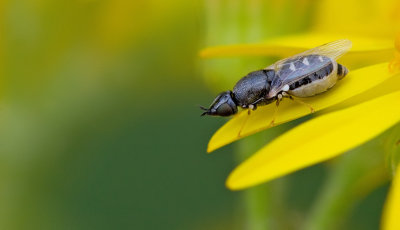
x=225 y=110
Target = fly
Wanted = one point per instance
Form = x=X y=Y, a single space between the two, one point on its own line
x=303 y=75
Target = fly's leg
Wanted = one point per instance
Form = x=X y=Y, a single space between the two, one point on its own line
x=276 y=111
x=303 y=103
x=275 y=114
x=251 y=107
x=244 y=122
x=298 y=101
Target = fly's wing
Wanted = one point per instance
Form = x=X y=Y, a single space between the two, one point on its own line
x=290 y=69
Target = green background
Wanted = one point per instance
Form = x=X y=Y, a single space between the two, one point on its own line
x=100 y=125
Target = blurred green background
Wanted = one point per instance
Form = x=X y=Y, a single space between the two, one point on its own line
x=100 y=125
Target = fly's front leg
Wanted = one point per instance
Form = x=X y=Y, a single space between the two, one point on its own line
x=244 y=122
x=250 y=108
x=253 y=106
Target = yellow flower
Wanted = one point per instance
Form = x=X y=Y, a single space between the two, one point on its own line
x=373 y=94
x=359 y=108
x=377 y=87
x=362 y=106
x=326 y=136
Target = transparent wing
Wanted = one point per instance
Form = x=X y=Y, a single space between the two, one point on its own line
x=332 y=50
x=290 y=69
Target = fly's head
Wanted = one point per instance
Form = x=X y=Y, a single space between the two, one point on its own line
x=223 y=105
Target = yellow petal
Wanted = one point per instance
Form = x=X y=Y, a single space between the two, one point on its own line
x=391 y=213
x=317 y=140
x=354 y=83
x=365 y=50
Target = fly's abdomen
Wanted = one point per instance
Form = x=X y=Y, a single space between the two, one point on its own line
x=316 y=82
x=342 y=71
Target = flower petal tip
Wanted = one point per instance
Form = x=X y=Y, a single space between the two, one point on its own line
x=209 y=149
x=237 y=180
x=229 y=184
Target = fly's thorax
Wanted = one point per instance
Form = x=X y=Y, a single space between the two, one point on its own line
x=252 y=88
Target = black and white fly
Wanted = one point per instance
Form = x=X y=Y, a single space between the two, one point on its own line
x=303 y=75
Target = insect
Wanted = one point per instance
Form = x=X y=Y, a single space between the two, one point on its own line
x=303 y=75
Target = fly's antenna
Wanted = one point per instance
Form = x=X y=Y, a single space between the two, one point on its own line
x=207 y=111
